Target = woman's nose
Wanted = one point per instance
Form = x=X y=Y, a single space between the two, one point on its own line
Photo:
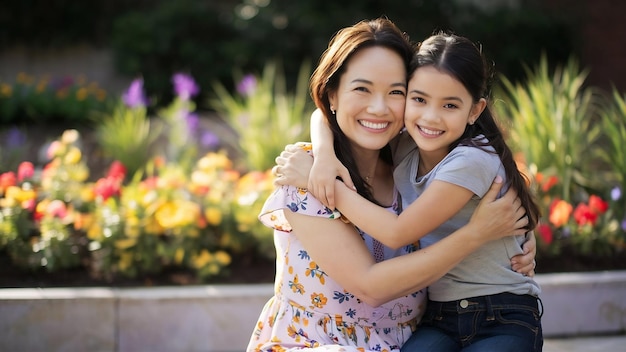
x=378 y=106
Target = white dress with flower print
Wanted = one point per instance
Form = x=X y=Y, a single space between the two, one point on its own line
x=312 y=312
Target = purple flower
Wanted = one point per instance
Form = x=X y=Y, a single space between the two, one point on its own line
x=184 y=86
x=193 y=122
x=15 y=138
x=616 y=193
x=624 y=225
x=135 y=96
x=247 y=85
x=209 y=140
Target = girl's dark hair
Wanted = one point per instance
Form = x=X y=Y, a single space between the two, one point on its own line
x=462 y=59
x=379 y=32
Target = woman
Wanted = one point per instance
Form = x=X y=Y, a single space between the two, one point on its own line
x=330 y=293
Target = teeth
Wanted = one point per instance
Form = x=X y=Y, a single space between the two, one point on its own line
x=372 y=125
x=431 y=132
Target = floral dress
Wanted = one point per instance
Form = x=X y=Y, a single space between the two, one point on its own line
x=312 y=312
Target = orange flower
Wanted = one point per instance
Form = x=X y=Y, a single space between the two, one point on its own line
x=560 y=211
x=550 y=182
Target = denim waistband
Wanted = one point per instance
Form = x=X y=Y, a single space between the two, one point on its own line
x=500 y=300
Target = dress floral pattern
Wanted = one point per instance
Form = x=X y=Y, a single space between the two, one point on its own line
x=309 y=310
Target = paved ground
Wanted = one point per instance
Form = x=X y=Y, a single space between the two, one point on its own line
x=586 y=344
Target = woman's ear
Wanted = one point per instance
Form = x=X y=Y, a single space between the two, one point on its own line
x=476 y=110
x=332 y=99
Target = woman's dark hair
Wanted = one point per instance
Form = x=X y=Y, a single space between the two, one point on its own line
x=379 y=32
x=462 y=59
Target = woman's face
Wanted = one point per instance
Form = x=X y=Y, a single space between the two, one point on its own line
x=370 y=98
x=438 y=109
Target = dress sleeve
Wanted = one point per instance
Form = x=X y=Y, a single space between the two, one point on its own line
x=297 y=200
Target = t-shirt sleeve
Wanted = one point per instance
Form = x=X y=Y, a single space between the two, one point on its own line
x=297 y=200
x=472 y=168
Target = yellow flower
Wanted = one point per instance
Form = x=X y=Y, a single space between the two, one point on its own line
x=179 y=256
x=125 y=243
x=73 y=156
x=81 y=94
x=213 y=216
x=200 y=261
x=125 y=262
x=222 y=258
x=177 y=213
x=6 y=90
x=70 y=136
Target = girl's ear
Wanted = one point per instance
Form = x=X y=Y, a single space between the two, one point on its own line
x=476 y=110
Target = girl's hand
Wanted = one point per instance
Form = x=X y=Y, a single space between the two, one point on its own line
x=322 y=179
x=293 y=166
x=525 y=263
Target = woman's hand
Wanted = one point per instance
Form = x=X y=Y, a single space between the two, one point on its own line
x=496 y=218
x=525 y=263
x=293 y=166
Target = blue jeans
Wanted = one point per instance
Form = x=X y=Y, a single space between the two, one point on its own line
x=503 y=322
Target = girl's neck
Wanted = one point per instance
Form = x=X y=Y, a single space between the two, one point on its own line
x=428 y=161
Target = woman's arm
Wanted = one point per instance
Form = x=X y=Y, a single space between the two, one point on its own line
x=339 y=249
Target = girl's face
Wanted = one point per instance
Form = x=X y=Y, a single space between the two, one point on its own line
x=370 y=97
x=437 y=110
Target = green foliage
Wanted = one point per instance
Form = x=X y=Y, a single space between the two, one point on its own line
x=41 y=100
x=265 y=115
x=128 y=135
x=570 y=145
x=552 y=122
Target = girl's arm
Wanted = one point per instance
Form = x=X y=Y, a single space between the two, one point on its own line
x=339 y=249
x=439 y=202
x=326 y=166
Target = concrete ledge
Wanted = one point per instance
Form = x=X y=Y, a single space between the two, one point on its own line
x=220 y=317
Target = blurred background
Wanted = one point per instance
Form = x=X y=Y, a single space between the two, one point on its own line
x=114 y=41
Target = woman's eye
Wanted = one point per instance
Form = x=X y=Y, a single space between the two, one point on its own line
x=361 y=89
x=397 y=92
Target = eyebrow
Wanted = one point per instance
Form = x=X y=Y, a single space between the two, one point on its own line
x=444 y=98
x=361 y=80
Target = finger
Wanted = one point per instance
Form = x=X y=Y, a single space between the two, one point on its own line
x=292 y=148
x=330 y=197
x=495 y=188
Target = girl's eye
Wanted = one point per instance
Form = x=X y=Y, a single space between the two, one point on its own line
x=450 y=106
x=419 y=100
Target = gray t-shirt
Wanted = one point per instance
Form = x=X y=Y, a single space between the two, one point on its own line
x=488 y=270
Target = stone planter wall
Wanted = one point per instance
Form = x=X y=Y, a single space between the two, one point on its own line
x=220 y=318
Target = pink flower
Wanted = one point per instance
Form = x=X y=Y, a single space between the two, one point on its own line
x=57 y=209
x=25 y=170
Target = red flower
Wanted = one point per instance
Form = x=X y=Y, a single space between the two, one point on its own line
x=550 y=182
x=107 y=187
x=545 y=232
x=7 y=179
x=597 y=205
x=25 y=170
x=583 y=214
x=117 y=170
